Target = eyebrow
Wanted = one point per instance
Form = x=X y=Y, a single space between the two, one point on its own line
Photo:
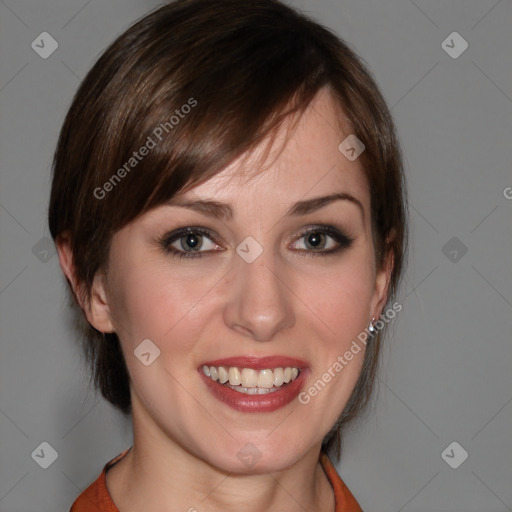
x=314 y=204
x=225 y=211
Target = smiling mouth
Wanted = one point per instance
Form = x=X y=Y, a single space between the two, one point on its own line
x=250 y=381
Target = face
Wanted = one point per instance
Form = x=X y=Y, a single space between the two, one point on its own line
x=264 y=289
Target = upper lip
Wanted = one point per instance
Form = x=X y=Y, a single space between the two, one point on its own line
x=258 y=363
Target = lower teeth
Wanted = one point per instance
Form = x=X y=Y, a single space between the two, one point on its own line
x=253 y=391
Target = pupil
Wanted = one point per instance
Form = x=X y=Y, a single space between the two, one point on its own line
x=192 y=241
x=315 y=239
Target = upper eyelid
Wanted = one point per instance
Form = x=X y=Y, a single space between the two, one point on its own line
x=338 y=235
x=181 y=231
x=176 y=234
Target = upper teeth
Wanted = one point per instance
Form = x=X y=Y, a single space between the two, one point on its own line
x=250 y=378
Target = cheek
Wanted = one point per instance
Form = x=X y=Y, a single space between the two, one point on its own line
x=149 y=303
x=341 y=304
x=341 y=297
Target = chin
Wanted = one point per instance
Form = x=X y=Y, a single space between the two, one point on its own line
x=267 y=456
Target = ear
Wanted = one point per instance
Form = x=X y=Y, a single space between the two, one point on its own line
x=382 y=282
x=97 y=310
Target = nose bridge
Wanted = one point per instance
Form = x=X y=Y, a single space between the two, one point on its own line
x=260 y=302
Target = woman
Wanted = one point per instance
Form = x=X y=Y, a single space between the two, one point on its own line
x=227 y=205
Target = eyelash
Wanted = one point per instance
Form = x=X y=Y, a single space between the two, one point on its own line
x=165 y=242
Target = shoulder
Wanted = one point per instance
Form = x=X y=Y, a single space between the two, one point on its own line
x=96 y=497
x=344 y=499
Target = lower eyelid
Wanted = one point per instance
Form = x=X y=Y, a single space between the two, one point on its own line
x=343 y=241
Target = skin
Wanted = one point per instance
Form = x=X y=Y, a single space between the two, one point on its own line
x=290 y=301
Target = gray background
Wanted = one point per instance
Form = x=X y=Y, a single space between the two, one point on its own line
x=446 y=373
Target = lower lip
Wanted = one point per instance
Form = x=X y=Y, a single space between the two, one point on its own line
x=255 y=403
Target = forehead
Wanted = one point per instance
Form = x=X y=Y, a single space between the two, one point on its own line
x=300 y=160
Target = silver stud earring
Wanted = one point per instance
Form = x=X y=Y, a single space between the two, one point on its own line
x=371 y=327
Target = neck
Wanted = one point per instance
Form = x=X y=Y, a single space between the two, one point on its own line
x=159 y=474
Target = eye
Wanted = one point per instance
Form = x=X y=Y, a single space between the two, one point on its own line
x=189 y=242
x=323 y=240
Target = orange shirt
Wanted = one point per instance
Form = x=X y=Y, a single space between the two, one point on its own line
x=96 y=497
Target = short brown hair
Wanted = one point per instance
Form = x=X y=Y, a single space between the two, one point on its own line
x=242 y=67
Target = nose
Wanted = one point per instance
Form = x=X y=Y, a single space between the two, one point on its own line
x=260 y=300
